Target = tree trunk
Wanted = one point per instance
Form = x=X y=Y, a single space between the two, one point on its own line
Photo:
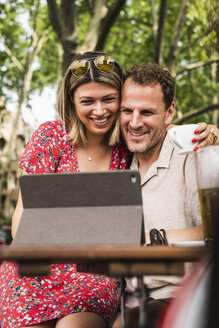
x=154 y=22
x=107 y=22
x=64 y=23
x=171 y=58
x=160 y=33
x=97 y=14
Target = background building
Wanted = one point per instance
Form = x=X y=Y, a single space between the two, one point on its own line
x=9 y=170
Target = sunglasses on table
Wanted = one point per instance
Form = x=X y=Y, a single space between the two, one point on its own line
x=80 y=67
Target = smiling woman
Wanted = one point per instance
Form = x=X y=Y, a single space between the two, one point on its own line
x=97 y=113
x=101 y=69
x=86 y=138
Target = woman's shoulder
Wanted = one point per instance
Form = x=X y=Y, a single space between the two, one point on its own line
x=51 y=127
x=44 y=148
x=48 y=131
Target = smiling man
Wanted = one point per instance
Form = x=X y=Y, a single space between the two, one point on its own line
x=168 y=180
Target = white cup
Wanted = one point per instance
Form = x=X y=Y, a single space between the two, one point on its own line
x=181 y=138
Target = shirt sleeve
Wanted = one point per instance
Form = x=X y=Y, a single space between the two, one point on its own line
x=42 y=152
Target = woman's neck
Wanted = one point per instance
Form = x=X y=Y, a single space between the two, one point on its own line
x=96 y=140
x=96 y=155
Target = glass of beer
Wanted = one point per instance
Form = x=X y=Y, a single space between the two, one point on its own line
x=207 y=168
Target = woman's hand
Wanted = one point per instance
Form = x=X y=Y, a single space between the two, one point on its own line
x=206 y=135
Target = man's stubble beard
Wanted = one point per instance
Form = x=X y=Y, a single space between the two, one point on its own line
x=150 y=146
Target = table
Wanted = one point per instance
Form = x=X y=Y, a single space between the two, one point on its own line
x=116 y=261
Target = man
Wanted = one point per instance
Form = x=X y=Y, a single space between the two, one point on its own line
x=168 y=180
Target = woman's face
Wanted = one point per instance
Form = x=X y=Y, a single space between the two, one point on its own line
x=96 y=105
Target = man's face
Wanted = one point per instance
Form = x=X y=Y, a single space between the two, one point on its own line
x=143 y=116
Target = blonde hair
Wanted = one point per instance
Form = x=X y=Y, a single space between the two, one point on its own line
x=66 y=108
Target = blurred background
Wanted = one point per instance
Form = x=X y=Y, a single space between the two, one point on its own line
x=38 y=39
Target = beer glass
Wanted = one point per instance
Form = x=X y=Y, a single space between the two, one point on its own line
x=207 y=168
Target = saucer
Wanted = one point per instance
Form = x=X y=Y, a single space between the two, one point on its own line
x=190 y=243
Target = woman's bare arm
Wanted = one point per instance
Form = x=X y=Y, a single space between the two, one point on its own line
x=187 y=234
x=17 y=214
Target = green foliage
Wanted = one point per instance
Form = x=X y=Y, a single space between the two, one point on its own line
x=16 y=29
x=194 y=88
x=131 y=40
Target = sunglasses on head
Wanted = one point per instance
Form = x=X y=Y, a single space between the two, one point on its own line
x=80 y=67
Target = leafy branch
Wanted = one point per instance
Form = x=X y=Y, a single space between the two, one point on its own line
x=173 y=51
x=196 y=65
x=196 y=112
x=11 y=56
x=215 y=27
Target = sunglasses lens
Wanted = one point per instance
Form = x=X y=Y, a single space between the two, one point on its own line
x=104 y=63
x=79 y=67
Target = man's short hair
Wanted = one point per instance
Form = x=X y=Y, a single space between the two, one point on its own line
x=150 y=75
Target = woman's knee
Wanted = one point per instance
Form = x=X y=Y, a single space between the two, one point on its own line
x=81 y=320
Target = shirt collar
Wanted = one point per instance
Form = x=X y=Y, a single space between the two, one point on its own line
x=165 y=155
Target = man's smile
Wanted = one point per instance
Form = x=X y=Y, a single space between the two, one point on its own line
x=137 y=133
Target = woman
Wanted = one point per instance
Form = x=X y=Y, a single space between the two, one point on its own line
x=85 y=139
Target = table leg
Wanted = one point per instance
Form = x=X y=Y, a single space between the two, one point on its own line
x=141 y=292
x=122 y=298
x=143 y=308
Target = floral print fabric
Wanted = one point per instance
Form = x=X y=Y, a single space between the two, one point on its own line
x=26 y=301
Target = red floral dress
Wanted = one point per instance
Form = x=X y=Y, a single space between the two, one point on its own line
x=26 y=301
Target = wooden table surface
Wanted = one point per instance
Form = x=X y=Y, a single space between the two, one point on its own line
x=116 y=261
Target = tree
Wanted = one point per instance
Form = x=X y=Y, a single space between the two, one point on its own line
x=181 y=36
x=23 y=62
x=100 y=15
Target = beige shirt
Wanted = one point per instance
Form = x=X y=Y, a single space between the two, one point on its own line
x=170 y=201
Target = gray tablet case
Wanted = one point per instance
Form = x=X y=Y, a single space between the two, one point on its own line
x=81 y=209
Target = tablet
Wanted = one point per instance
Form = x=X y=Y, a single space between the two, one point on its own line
x=81 y=209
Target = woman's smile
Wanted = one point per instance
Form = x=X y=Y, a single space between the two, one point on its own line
x=100 y=121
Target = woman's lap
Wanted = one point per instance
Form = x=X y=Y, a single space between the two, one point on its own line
x=63 y=292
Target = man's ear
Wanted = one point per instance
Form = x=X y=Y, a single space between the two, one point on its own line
x=170 y=113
